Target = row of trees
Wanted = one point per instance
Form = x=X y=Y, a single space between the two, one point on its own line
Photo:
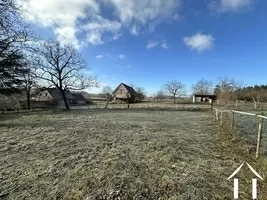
x=227 y=90
x=26 y=61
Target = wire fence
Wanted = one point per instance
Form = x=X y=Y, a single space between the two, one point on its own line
x=252 y=127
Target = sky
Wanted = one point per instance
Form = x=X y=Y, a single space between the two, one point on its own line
x=150 y=42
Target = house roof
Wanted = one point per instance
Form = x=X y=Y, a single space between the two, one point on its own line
x=128 y=88
x=79 y=97
x=55 y=93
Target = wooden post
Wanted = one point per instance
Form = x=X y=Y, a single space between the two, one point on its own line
x=221 y=118
x=211 y=104
x=217 y=115
x=233 y=120
x=259 y=137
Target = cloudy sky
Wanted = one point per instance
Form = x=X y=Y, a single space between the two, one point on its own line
x=149 y=42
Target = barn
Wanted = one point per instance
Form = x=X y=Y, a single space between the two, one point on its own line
x=124 y=93
x=208 y=98
x=79 y=99
x=54 y=95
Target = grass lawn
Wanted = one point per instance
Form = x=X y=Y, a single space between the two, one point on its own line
x=116 y=154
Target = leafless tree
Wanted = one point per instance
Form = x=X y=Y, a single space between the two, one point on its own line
x=63 y=67
x=29 y=82
x=203 y=87
x=225 y=89
x=10 y=102
x=175 y=89
x=107 y=92
x=140 y=93
x=159 y=96
x=257 y=94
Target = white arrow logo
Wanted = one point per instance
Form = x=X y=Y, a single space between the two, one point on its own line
x=254 y=181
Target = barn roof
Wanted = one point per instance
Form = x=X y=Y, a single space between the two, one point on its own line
x=56 y=95
x=128 y=88
x=79 y=97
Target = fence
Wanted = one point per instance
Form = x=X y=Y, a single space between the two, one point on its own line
x=251 y=126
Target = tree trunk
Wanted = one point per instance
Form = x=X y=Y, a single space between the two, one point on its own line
x=255 y=104
x=65 y=100
x=258 y=102
x=107 y=103
x=236 y=104
x=174 y=99
x=28 y=99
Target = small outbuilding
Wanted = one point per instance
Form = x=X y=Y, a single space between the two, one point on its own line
x=198 y=98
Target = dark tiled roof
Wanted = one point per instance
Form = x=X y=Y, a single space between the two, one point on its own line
x=55 y=93
x=79 y=97
x=129 y=89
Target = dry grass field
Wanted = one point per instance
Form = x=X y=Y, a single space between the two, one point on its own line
x=118 y=154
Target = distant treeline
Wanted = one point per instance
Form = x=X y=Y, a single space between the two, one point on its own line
x=257 y=93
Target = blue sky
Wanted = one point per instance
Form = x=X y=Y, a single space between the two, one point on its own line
x=150 y=42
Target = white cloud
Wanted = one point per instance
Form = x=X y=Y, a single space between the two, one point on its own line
x=138 y=14
x=60 y=15
x=152 y=44
x=122 y=56
x=82 y=22
x=117 y=36
x=155 y=43
x=94 y=38
x=99 y=56
x=221 y=6
x=164 y=44
x=199 y=42
x=99 y=25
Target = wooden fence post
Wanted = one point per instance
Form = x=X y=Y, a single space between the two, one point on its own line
x=221 y=118
x=259 y=137
x=233 y=120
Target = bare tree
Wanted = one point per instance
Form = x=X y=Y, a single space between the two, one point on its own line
x=140 y=93
x=256 y=94
x=175 y=89
x=159 y=96
x=107 y=92
x=203 y=87
x=62 y=66
x=29 y=82
x=225 y=89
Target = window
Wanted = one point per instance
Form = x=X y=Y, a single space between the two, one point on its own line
x=121 y=90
